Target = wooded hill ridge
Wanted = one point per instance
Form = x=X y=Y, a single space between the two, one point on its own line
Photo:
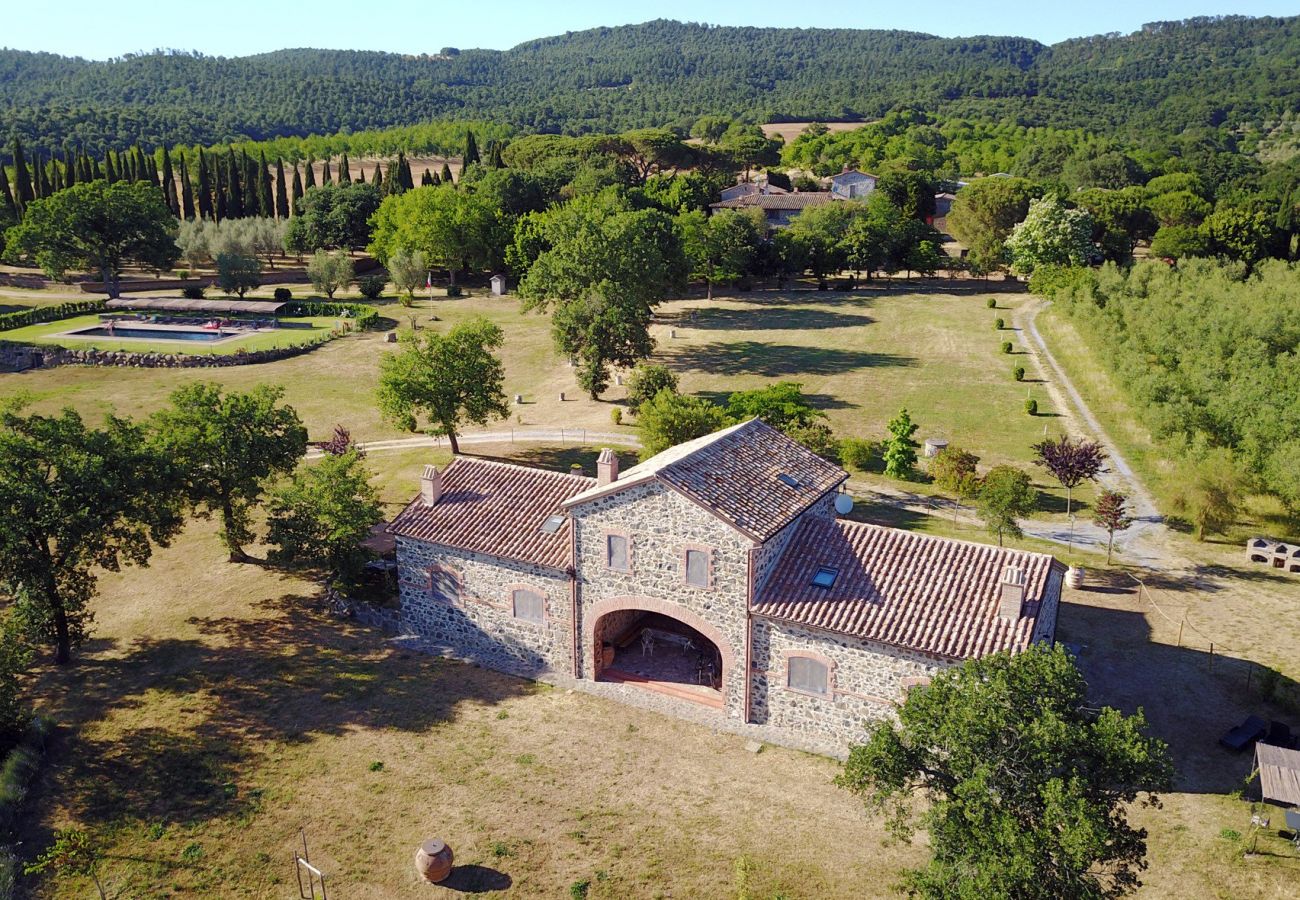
x=1170 y=77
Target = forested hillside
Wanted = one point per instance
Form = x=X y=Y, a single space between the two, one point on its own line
x=1169 y=77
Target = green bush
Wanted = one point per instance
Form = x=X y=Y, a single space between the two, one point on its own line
x=371 y=286
x=991 y=303
x=999 y=324
x=282 y=295
x=859 y=454
x=453 y=290
x=1007 y=347
x=616 y=415
x=19 y=770
x=193 y=291
x=38 y=314
x=1018 y=373
x=1031 y=407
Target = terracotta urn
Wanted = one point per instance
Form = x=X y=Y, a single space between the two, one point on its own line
x=433 y=860
x=1074 y=577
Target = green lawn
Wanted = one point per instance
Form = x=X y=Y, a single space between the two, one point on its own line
x=294 y=331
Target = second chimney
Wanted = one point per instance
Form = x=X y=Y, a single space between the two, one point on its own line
x=1011 y=594
x=430 y=485
x=606 y=467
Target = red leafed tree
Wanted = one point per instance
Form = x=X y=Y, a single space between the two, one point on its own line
x=1070 y=462
x=1111 y=513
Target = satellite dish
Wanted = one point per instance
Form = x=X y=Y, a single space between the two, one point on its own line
x=843 y=504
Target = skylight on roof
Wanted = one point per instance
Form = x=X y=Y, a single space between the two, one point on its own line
x=825 y=577
x=552 y=524
x=788 y=480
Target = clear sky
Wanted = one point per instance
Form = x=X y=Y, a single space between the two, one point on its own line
x=98 y=30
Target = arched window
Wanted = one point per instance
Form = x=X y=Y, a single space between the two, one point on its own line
x=808 y=675
x=528 y=604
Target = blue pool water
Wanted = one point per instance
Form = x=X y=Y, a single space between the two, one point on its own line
x=152 y=334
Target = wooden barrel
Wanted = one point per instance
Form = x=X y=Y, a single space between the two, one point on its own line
x=433 y=860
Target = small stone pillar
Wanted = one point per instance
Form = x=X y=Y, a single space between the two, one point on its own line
x=519 y=399
x=618 y=379
x=433 y=860
x=561 y=396
x=672 y=332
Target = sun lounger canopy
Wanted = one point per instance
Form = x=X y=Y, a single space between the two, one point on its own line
x=1279 y=773
x=183 y=305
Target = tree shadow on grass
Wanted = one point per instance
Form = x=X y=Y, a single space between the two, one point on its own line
x=1190 y=696
x=818 y=401
x=774 y=318
x=211 y=707
x=562 y=459
x=777 y=360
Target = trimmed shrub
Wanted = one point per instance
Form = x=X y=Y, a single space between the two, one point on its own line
x=616 y=415
x=1031 y=407
x=38 y=314
x=282 y=295
x=1007 y=347
x=858 y=454
x=999 y=324
x=453 y=290
x=362 y=315
x=1018 y=373
x=193 y=291
x=991 y=303
x=371 y=286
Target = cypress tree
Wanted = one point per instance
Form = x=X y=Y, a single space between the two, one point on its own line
x=404 y=172
x=471 y=150
x=151 y=168
x=23 y=193
x=345 y=176
x=40 y=181
x=187 y=191
x=6 y=193
x=234 y=194
x=70 y=172
x=310 y=174
x=267 y=195
x=169 y=183
x=377 y=179
x=446 y=174
x=220 y=211
x=361 y=174
x=296 y=196
x=325 y=176
x=392 y=181
x=281 y=194
x=426 y=179
x=86 y=168
x=435 y=178
x=496 y=161
x=206 y=210
x=56 y=175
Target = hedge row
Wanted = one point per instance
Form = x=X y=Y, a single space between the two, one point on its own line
x=38 y=314
x=364 y=315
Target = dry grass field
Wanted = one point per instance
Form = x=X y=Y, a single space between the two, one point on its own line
x=218 y=710
x=788 y=131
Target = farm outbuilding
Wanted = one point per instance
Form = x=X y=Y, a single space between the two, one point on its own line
x=1278 y=554
x=1279 y=773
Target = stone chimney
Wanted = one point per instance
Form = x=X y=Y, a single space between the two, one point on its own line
x=430 y=485
x=606 y=467
x=1011 y=594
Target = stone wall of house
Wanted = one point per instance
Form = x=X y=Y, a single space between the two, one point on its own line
x=659 y=524
x=866 y=681
x=480 y=622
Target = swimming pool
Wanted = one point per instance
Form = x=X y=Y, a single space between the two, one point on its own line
x=154 y=334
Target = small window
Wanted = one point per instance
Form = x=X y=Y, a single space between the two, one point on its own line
x=825 y=577
x=528 y=605
x=697 y=568
x=616 y=552
x=444 y=585
x=788 y=480
x=808 y=675
x=552 y=524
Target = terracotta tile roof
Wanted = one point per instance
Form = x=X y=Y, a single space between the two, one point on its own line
x=796 y=200
x=496 y=508
x=910 y=590
x=735 y=474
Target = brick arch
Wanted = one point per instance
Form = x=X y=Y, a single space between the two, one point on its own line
x=673 y=611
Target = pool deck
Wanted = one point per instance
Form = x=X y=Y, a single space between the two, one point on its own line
x=87 y=333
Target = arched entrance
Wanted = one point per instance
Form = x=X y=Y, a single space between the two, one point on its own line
x=660 y=647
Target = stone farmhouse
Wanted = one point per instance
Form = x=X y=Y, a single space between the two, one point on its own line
x=717 y=575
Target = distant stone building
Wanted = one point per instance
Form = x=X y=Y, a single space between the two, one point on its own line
x=716 y=575
x=852 y=184
x=779 y=209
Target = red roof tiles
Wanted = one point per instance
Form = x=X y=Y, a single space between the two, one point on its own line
x=498 y=509
x=906 y=589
